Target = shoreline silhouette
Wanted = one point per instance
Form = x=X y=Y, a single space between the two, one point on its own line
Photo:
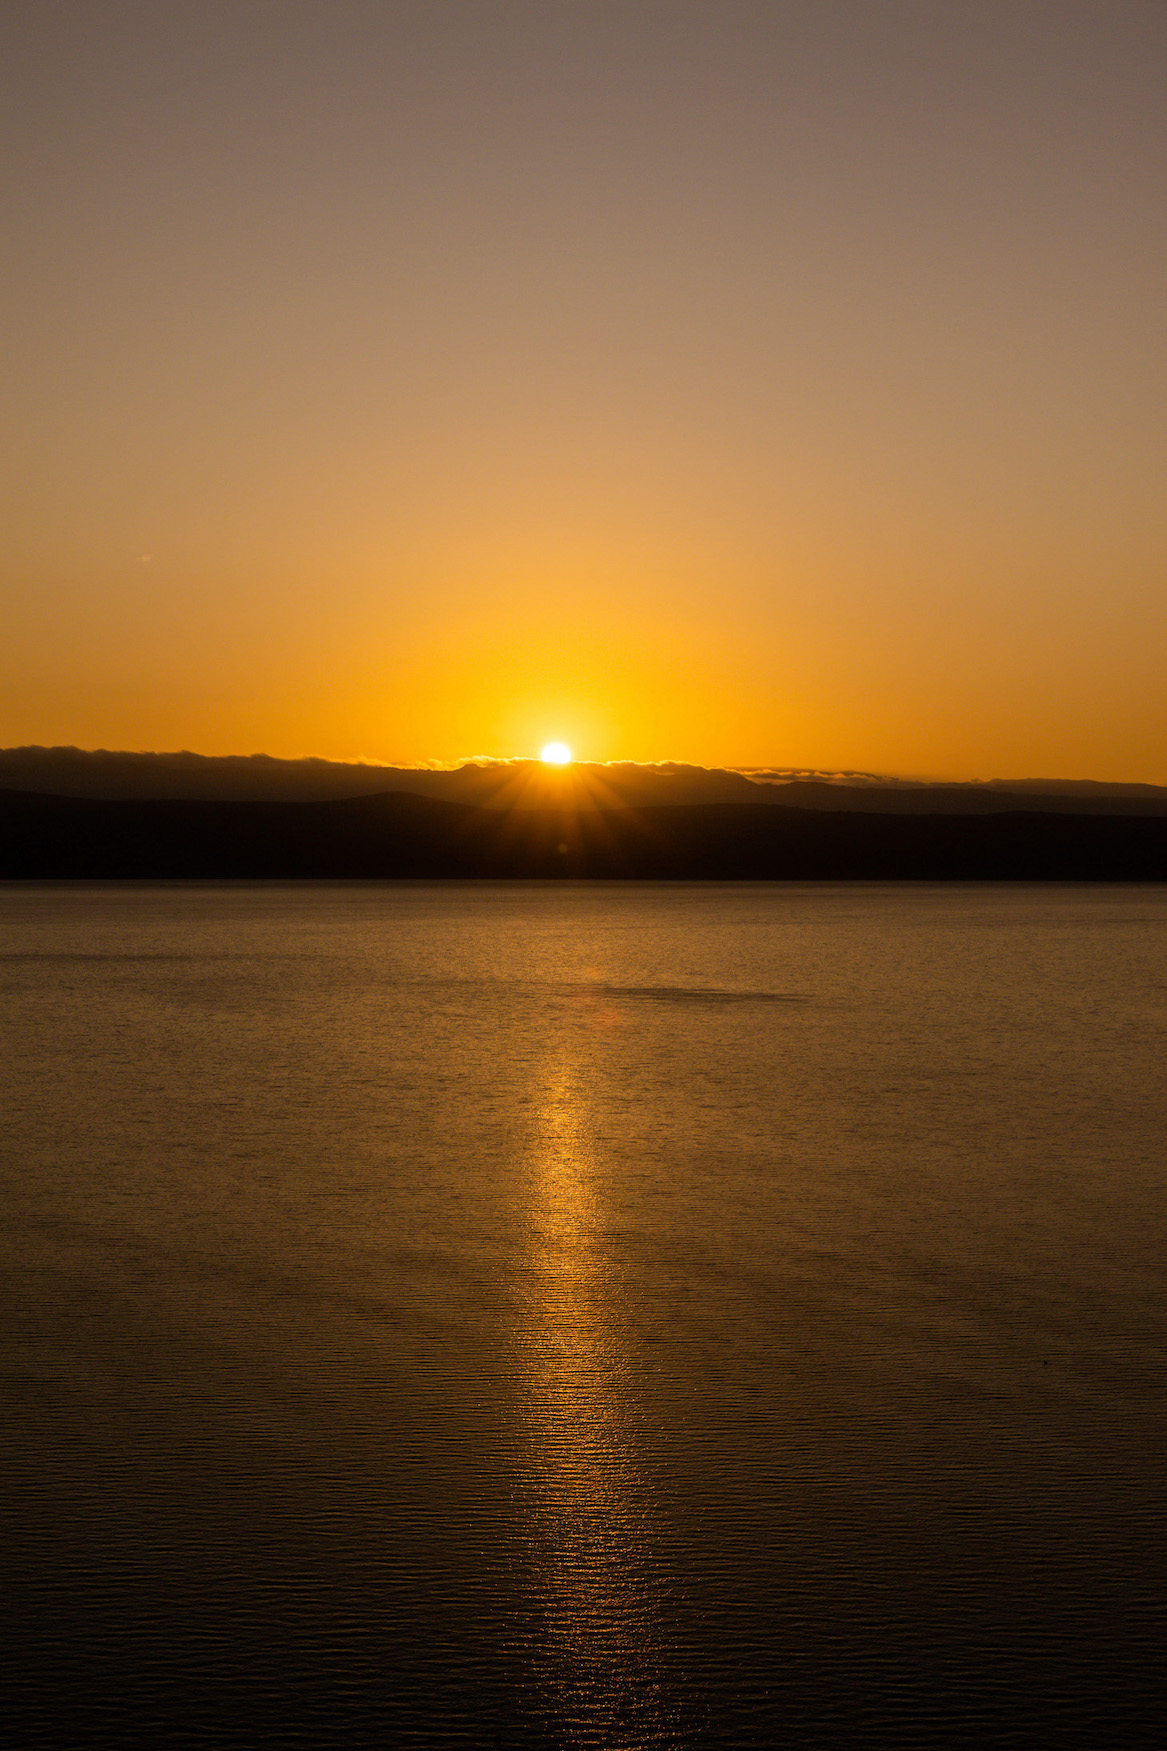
x=398 y=835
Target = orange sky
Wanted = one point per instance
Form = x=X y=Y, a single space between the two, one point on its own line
x=745 y=384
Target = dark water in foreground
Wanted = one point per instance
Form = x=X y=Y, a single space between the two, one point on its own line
x=584 y=1316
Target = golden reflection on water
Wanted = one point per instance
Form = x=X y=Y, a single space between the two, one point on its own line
x=594 y=1533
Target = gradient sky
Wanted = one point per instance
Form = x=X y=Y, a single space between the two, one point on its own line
x=742 y=383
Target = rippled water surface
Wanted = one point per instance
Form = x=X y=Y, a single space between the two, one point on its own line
x=583 y=1316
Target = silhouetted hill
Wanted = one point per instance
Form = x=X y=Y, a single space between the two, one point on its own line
x=528 y=784
x=397 y=835
x=993 y=798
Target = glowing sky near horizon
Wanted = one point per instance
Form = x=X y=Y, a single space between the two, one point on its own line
x=732 y=382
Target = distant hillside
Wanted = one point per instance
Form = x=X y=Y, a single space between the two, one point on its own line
x=397 y=835
x=530 y=784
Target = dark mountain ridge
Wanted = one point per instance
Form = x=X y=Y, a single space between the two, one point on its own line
x=397 y=835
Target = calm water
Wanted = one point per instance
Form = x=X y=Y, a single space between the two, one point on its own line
x=584 y=1316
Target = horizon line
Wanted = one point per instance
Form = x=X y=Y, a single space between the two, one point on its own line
x=756 y=773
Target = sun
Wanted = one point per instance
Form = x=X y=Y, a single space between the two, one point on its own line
x=556 y=754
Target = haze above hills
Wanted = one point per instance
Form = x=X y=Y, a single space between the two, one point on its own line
x=528 y=784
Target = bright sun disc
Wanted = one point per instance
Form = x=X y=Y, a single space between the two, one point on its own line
x=556 y=754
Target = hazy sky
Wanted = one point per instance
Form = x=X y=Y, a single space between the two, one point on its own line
x=744 y=383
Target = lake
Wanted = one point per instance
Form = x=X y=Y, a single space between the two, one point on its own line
x=584 y=1315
